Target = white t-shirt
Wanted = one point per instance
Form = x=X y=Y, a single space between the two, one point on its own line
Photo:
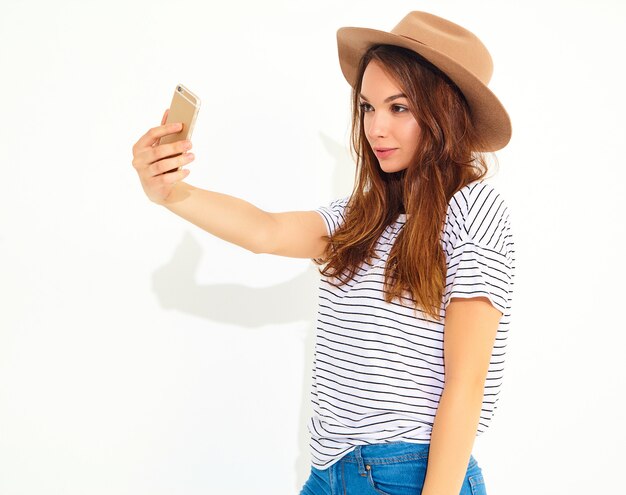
x=379 y=373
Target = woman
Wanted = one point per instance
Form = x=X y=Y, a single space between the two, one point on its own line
x=417 y=264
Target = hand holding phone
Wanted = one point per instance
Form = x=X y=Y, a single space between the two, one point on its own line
x=184 y=108
x=165 y=148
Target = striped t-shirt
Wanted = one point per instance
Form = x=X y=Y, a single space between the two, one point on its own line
x=379 y=373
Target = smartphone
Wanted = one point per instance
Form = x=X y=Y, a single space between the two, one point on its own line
x=184 y=108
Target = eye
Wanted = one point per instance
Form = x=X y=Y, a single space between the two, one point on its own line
x=399 y=108
x=365 y=107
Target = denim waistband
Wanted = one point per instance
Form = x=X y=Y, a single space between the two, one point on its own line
x=389 y=453
x=386 y=453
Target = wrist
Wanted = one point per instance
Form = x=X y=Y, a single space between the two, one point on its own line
x=179 y=192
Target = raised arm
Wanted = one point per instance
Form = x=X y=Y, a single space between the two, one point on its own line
x=298 y=234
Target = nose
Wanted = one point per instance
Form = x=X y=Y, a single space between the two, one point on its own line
x=376 y=124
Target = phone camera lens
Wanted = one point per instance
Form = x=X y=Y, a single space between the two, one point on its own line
x=179 y=89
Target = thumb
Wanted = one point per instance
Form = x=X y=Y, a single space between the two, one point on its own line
x=164 y=119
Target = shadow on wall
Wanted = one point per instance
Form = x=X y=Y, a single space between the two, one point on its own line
x=176 y=288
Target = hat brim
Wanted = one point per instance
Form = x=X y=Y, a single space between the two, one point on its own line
x=491 y=120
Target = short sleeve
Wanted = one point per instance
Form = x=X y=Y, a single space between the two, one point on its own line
x=333 y=214
x=481 y=261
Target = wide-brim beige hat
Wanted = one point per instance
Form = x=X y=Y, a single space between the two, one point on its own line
x=451 y=48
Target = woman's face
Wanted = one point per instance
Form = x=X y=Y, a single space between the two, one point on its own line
x=390 y=128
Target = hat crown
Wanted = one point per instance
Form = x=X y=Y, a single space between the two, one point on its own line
x=450 y=39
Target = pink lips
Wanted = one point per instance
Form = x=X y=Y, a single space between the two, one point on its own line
x=384 y=152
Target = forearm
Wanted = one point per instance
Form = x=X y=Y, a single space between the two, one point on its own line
x=229 y=218
x=452 y=438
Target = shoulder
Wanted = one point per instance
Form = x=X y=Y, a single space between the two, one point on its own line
x=487 y=214
x=476 y=201
x=333 y=213
x=488 y=222
x=334 y=208
x=474 y=192
x=479 y=212
x=480 y=252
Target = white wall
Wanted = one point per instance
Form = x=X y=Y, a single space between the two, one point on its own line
x=139 y=355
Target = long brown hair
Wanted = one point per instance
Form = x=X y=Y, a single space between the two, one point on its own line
x=445 y=162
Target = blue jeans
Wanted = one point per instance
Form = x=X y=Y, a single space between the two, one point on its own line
x=397 y=468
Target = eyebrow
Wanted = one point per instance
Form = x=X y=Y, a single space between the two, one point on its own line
x=390 y=98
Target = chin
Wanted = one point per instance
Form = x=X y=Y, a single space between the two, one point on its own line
x=391 y=168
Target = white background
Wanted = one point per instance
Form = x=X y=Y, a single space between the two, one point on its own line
x=140 y=355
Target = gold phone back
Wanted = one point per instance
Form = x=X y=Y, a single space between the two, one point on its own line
x=184 y=108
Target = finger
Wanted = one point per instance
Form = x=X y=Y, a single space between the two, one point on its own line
x=167 y=150
x=153 y=135
x=167 y=164
x=146 y=157
x=173 y=177
x=164 y=119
